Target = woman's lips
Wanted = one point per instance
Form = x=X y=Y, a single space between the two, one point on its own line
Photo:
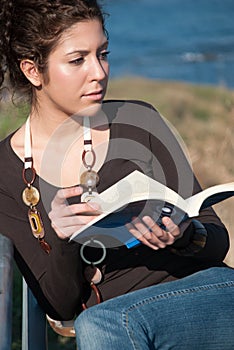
x=94 y=96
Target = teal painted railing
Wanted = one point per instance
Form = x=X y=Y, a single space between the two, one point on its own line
x=34 y=325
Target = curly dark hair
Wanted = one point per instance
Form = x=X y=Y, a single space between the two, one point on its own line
x=31 y=29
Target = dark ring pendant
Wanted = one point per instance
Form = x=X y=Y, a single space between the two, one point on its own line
x=93 y=160
x=33 y=176
x=97 y=294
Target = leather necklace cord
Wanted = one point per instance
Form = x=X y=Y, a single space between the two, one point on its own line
x=31 y=195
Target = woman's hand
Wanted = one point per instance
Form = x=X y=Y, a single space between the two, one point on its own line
x=67 y=219
x=149 y=233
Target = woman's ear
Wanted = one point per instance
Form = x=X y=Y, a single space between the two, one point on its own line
x=31 y=72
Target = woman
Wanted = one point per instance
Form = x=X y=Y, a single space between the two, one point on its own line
x=55 y=52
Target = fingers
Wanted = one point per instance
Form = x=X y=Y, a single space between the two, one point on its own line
x=63 y=194
x=150 y=234
x=75 y=209
x=67 y=219
x=60 y=201
x=171 y=227
x=66 y=226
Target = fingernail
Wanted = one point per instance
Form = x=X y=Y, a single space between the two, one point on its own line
x=94 y=205
x=78 y=189
x=166 y=220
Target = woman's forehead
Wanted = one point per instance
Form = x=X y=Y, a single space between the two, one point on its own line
x=81 y=35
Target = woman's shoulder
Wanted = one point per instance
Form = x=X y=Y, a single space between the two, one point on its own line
x=133 y=113
x=4 y=145
x=118 y=103
x=8 y=157
x=11 y=170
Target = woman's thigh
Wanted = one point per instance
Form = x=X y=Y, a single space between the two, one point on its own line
x=192 y=313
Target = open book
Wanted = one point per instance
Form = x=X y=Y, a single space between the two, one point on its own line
x=139 y=195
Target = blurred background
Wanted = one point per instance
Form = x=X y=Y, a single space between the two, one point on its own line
x=184 y=40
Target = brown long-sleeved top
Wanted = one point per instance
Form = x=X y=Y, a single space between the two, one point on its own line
x=139 y=139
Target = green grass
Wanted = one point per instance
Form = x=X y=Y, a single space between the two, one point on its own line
x=202 y=114
x=12 y=117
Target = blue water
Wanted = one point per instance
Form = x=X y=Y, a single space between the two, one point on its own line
x=187 y=40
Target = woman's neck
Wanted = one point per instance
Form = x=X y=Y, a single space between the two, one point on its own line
x=57 y=146
x=43 y=125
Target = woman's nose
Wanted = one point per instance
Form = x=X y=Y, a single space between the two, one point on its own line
x=99 y=69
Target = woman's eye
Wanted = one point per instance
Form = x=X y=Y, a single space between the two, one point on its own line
x=77 y=61
x=103 y=55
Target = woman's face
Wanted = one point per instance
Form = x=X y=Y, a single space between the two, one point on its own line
x=78 y=70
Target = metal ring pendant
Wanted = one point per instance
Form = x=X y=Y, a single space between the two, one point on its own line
x=93 y=262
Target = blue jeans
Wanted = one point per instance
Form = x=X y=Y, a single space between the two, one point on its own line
x=194 y=313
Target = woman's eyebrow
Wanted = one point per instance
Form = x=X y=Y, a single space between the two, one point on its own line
x=85 y=52
x=104 y=45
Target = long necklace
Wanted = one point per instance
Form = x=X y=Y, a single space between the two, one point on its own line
x=31 y=198
x=30 y=194
x=88 y=178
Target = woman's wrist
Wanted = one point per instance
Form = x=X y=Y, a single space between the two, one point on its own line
x=197 y=241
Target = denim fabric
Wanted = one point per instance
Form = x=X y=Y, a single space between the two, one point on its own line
x=194 y=313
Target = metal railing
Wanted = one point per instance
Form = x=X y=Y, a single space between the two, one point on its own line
x=6 y=281
x=34 y=325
